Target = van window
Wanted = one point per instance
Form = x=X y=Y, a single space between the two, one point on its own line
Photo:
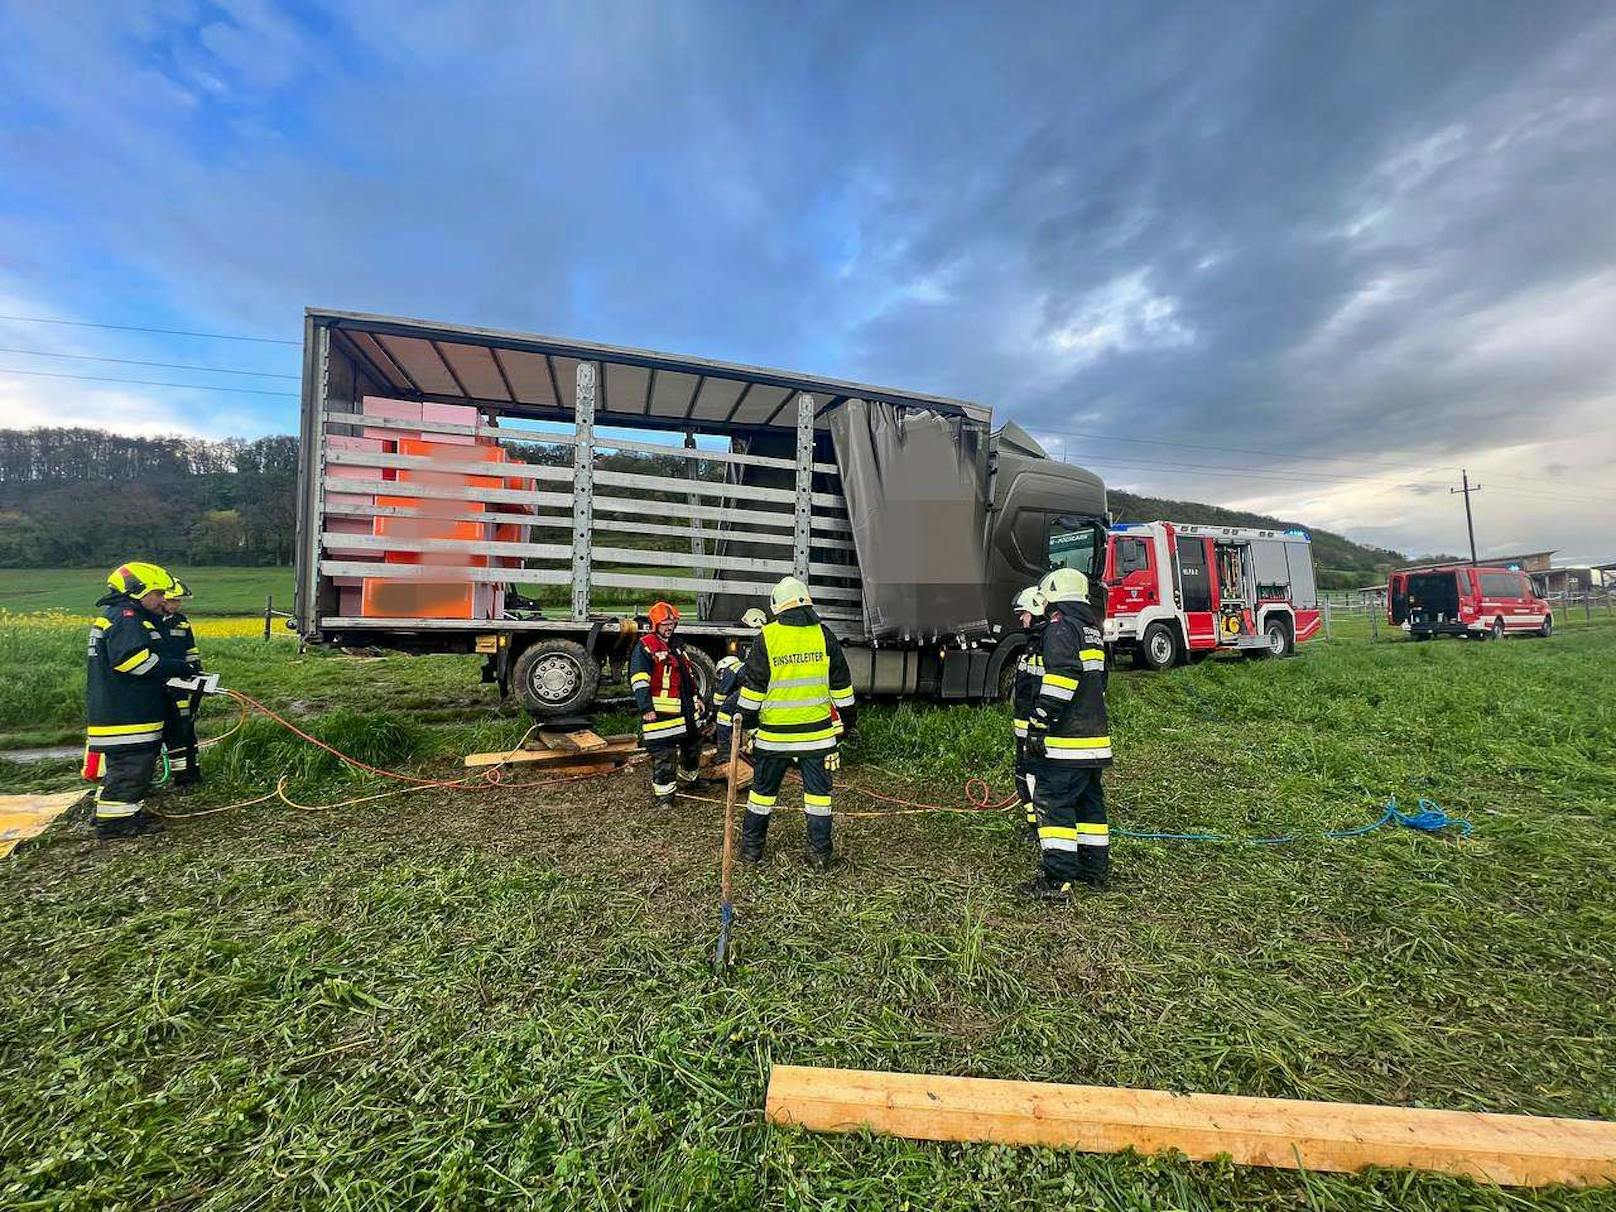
x=1500 y=584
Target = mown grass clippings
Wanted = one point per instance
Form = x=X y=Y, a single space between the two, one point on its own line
x=456 y=1000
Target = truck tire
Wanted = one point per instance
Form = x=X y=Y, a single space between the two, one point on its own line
x=1496 y=631
x=1009 y=656
x=1157 y=649
x=1277 y=631
x=556 y=677
x=1548 y=626
x=706 y=674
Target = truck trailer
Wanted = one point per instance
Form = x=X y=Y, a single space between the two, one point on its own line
x=525 y=498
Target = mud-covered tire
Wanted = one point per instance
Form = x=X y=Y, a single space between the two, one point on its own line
x=1157 y=649
x=706 y=673
x=556 y=677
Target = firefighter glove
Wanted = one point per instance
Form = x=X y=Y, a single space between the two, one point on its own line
x=833 y=761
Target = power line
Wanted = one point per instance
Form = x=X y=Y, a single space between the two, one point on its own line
x=1101 y=437
x=212 y=370
x=167 y=332
x=1275 y=454
x=1322 y=480
x=240 y=391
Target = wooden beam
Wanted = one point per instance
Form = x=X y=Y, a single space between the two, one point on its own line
x=1512 y=1150
x=612 y=751
x=576 y=741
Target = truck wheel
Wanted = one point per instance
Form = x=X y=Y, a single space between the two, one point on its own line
x=556 y=677
x=706 y=673
x=1548 y=626
x=1158 y=648
x=1497 y=632
x=1007 y=680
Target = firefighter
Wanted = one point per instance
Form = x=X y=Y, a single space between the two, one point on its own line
x=1068 y=743
x=794 y=684
x=728 y=689
x=665 y=691
x=125 y=697
x=1030 y=608
x=179 y=720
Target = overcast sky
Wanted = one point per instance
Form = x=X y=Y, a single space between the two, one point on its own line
x=1308 y=258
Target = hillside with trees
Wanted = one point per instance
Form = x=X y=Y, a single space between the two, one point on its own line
x=79 y=497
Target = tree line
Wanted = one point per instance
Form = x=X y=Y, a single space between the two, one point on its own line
x=75 y=497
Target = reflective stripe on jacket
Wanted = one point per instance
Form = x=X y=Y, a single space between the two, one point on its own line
x=124 y=694
x=1029 y=677
x=1069 y=711
x=659 y=673
x=794 y=674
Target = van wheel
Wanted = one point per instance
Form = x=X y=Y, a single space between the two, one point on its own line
x=1497 y=631
x=1548 y=626
x=556 y=677
x=1158 y=648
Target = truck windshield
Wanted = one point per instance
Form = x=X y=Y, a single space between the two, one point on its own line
x=1076 y=543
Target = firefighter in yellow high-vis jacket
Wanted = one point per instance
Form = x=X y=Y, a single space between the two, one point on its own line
x=794 y=685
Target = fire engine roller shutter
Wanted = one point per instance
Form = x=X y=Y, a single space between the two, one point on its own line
x=1304 y=591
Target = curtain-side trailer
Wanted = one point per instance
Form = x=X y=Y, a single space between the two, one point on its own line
x=525 y=498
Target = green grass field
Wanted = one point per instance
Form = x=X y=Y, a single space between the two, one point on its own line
x=467 y=999
x=219 y=591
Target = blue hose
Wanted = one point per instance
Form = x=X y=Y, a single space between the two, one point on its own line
x=1429 y=819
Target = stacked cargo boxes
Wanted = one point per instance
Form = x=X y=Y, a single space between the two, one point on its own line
x=424 y=519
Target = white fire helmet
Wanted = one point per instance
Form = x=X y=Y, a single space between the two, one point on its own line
x=1031 y=600
x=1065 y=585
x=788 y=593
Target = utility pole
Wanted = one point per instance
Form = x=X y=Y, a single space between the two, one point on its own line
x=1470 y=524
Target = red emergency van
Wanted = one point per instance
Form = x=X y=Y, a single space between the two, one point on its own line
x=1456 y=599
x=1177 y=591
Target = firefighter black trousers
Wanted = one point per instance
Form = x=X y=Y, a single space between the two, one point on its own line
x=767 y=775
x=1073 y=837
x=126 y=779
x=1024 y=782
x=179 y=738
x=674 y=763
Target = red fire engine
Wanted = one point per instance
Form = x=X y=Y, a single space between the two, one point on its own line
x=1176 y=592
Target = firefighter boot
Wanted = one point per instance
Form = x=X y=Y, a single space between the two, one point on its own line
x=1046 y=888
x=821 y=855
x=754 y=829
x=129 y=826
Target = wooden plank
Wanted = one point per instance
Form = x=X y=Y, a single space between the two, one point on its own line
x=1291 y=1134
x=611 y=751
x=579 y=741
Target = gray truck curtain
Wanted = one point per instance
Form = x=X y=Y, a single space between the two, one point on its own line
x=916 y=489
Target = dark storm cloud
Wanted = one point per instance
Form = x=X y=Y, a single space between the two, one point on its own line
x=1260 y=183
x=1380 y=231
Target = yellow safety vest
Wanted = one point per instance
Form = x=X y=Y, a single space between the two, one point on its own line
x=796 y=716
